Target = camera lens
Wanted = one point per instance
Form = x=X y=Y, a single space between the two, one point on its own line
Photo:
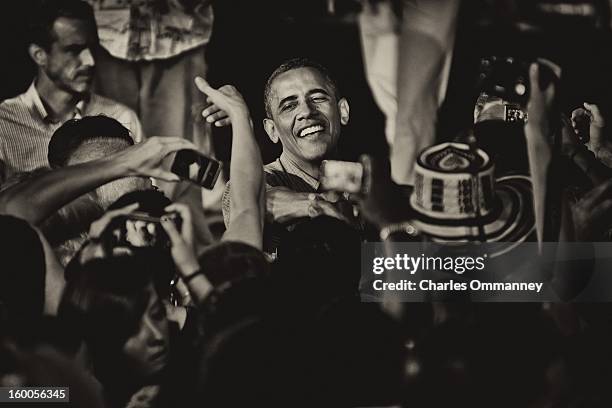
x=520 y=89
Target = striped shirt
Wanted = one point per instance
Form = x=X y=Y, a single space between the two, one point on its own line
x=294 y=178
x=26 y=128
x=283 y=172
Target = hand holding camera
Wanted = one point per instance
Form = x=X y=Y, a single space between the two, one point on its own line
x=342 y=176
x=181 y=238
x=98 y=246
x=369 y=182
x=146 y=159
x=588 y=122
x=138 y=230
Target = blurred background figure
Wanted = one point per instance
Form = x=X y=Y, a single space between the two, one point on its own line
x=150 y=53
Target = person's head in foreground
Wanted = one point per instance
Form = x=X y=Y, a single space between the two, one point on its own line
x=240 y=274
x=122 y=321
x=91 y=138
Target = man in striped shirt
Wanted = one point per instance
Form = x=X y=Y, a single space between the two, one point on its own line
x=63 y=38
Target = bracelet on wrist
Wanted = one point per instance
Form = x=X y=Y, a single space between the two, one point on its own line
x=189 y=278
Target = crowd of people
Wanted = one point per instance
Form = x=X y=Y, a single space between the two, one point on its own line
x=114 y=284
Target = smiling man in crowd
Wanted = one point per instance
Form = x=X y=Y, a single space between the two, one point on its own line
x=305 y=112
x=63 y=38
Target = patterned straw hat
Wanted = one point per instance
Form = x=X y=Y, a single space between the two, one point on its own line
x=457 y=198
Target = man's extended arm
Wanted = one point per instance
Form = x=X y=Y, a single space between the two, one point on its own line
x=36 y=198
x=247 y=194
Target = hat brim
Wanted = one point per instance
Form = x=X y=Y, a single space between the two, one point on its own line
x=511 y=221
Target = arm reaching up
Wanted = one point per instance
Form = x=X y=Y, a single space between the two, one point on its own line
x=590 y=119
x=539 y=132
x=184 y=255
x=247 y=193
x=36 y=198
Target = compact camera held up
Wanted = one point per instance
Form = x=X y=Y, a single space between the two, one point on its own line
x=138 y=230
x=508 y=79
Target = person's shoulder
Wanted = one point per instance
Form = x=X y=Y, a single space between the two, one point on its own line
x=274 y=174
x=15 y=100
x=10 y=106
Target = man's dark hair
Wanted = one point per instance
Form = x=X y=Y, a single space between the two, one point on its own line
x=72 y=134
x=290 y=65
x=46 y=12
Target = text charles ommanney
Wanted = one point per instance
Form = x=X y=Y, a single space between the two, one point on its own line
x=475 y=285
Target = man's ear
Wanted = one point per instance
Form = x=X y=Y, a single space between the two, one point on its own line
x=343 y=107
x=38 y=55
x=270 y=129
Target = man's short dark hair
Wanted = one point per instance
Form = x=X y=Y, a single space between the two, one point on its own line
x=46 y=12
x=75 y=132
x=292 y=64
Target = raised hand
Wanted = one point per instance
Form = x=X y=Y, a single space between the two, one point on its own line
x=589 y=112
x=226 y=102
x=147 y=158
x=538 y=133
x=95 y=249
x=381 y=203
x=184 y=255
x=588 y=123
x=97 y=227
x=569 y=138
x=182 y=249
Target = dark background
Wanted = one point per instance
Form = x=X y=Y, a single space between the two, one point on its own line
x=251 y=38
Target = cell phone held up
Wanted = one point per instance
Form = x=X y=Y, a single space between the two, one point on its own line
x=197 y=168
x=342 y=176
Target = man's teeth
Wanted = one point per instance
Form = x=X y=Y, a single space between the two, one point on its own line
x=311 y=129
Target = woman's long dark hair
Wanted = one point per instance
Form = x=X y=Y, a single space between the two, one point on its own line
x=104 y=304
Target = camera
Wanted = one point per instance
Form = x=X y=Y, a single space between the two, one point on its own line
x=139 y=230
x=197 y=168
x=508 y=78
x=342 y=176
